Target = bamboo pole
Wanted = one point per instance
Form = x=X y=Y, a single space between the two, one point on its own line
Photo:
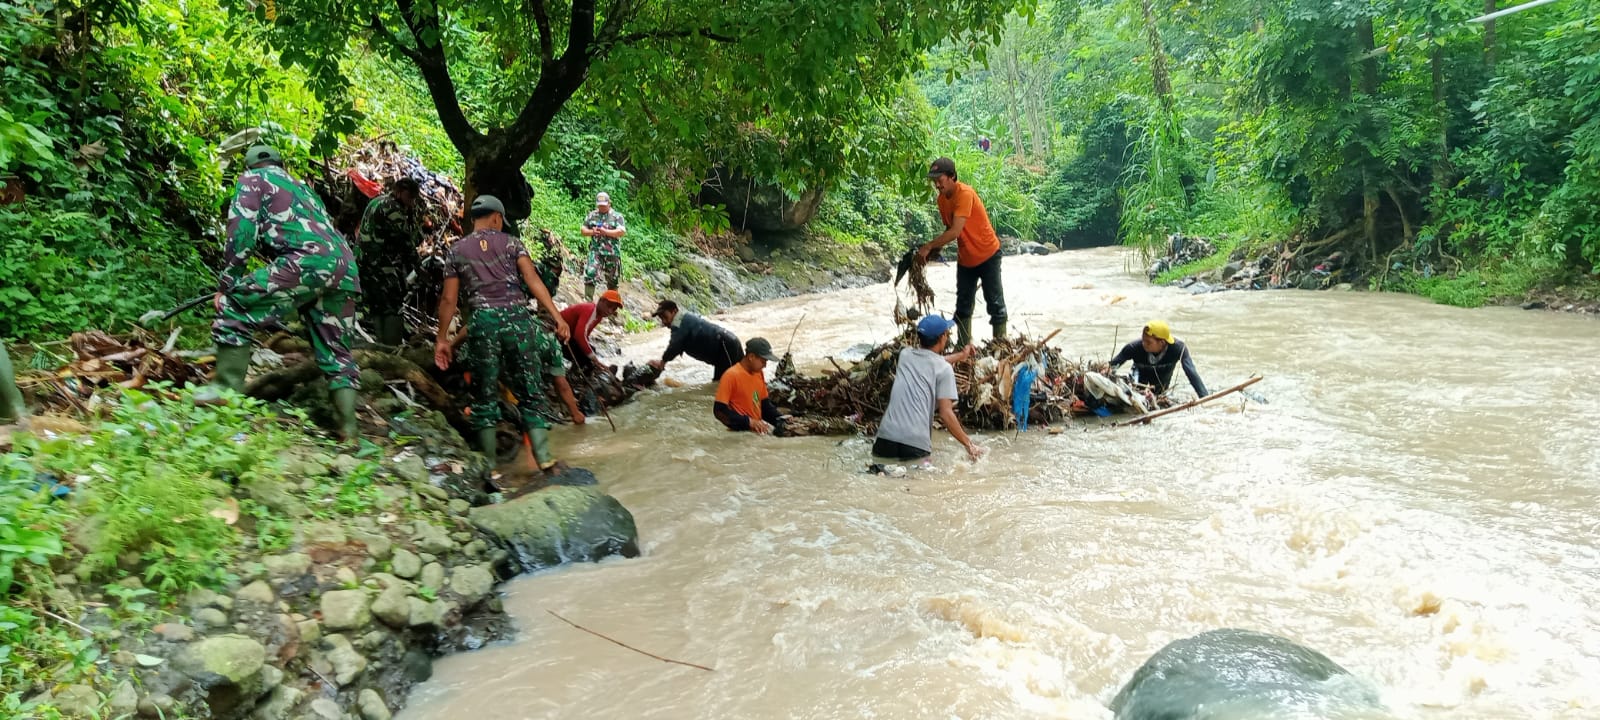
x=1147 y=417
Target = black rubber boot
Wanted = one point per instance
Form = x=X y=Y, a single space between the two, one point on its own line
x=391 y=330
x=489 y=445
x=999 y=329
x=963 y=332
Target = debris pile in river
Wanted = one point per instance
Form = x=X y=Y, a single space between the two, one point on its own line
x=360 y=173
x=852 y=399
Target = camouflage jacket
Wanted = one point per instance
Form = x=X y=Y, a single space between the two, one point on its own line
x=275 y=216
x=551 y=259
x=390 y=232
x=610 y=221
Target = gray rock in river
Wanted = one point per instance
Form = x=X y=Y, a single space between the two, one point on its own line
x=1234 y=674
x=561 y=524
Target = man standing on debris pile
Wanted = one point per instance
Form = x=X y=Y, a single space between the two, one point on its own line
x=699 y=338
x=583 y=318
x=742 y=403
x=604 y=227
x=1155 y=355
x=11 y=405
x=309 y=267
x=391 y=230
x=924 y=387
x=977 y=250
x=493 y=274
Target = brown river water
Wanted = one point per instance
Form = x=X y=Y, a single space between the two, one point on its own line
x=1416 y=500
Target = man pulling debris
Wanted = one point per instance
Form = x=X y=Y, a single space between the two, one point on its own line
x=583 y=318
x=11 y=405
x=1155 y=355
x=977 y=250
x=391 y=230
x=309 y=267
x=924 y=387
x=741 y=403
x=604 y=227
x=493 y=275
x=697 y=337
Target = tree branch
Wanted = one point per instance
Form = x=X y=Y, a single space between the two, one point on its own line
x=636 y=37
x=541 y=16
x=435 y=70
x=394 y=40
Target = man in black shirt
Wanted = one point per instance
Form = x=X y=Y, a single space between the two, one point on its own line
x=1155 y=355
x=698 y=338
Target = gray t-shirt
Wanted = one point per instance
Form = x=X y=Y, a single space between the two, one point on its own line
x=921 y=381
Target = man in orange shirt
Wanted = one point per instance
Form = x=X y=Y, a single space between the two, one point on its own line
x=741 y=402
x=977 y=250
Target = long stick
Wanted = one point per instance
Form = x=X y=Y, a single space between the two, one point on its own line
x=630 y=647
x=793 y=333
x=1147 y=417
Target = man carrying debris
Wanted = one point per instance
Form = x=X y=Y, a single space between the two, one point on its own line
x=1155 y=355
x=493 y=274
x=583 y=318
x=11 y=405
x=924 y=387
x=742 y=403
x=391 y=230
x=309 y=267
x=604 y=227
x=697 y=337
x=977 y=250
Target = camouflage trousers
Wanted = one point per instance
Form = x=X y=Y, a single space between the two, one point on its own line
x=267 y=295
x=550 y=359
x=383 y=290
x=503 y=347
x=607 y=265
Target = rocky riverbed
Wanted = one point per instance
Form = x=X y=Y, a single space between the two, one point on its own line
x=352 y=572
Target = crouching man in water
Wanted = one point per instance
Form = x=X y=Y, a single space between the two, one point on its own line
x=742 y=402
x=1244 y=675
x=496 y=274
x=698 y=338
x=1155 y=355
x=924 y=386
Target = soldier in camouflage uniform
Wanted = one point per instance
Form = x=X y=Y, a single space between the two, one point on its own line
x=309 y=267
x=11 y=407
x=386 y=246
x=492 y=272
x=604 y=227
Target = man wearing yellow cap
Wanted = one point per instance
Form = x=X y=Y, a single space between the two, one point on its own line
x=1155 y=355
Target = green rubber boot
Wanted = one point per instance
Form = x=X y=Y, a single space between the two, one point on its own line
x=233 y=361
x=540 y=439
x=588 y=292
x=344 y=413
x=489 y=445
x=963 y=332
x=391 y=330
x=11 y=407
x=999 y=329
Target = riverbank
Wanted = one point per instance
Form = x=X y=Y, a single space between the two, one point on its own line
x=179 y=561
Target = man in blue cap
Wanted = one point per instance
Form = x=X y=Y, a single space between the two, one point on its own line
x=924 y=386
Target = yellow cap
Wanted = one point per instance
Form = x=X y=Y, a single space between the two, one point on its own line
x=1158 y=329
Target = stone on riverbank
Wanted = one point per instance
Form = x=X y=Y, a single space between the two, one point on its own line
x=561 y=524
x=345 y=610
x=228 y=668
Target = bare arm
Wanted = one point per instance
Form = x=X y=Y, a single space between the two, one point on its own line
x=949 y=236
x=531 y=279
x=447 y=314
x=947 y=414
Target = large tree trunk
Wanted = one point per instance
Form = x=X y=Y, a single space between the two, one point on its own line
x=1159 y=74
x=1013 y=102
x=1488 y=36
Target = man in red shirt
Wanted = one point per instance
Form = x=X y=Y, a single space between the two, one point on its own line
x=583 y=318
x=977 y=250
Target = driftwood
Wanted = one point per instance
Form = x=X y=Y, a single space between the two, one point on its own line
x=1147 y=417
x=281 y=384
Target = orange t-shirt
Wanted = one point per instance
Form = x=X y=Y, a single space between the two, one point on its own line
x=743 y=391
x=977 y=242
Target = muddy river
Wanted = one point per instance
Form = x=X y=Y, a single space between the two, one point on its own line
x=1416 y=500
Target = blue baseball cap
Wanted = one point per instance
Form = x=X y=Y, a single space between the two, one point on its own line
x=930 y=327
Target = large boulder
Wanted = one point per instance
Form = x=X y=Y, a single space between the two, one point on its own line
x=228 y=668
x=561 y=524
x=1234 y=674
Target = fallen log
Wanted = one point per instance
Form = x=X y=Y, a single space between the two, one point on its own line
x=1147 y=417
x=280 y=384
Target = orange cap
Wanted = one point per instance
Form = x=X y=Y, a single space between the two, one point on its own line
x=612 y=296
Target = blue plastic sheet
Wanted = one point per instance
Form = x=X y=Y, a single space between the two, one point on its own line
x=1022 y=395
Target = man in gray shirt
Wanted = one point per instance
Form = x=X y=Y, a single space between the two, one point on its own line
x=924 y=385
